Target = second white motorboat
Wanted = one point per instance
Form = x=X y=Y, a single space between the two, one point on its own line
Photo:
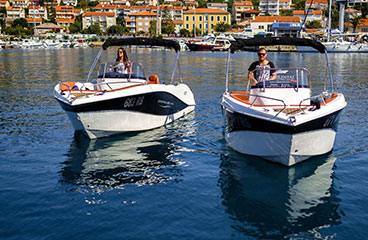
x=280 y=120
x=118 y=102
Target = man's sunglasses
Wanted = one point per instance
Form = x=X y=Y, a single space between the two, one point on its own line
x=262 y=54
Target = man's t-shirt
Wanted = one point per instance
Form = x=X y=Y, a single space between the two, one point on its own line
x=262 y=74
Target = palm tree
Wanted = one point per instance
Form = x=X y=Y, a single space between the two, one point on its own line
x=355 y=22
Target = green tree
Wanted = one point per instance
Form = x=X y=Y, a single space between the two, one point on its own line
x=355 y=22
x=222 y=27
x=184 y=32
x=77 y=26
x=286 y=13
x=93 y=29
x=115 y=29
x=313 y=24
x=152 y=27
x=20 y=22
x=168 y=27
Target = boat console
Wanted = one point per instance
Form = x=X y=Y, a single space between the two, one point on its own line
x=112 y=77
x=291 y=87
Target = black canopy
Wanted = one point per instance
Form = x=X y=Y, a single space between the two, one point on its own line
x=142 y=41
x=268 y=41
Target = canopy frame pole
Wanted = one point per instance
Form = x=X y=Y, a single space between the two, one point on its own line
x=94 y=64
x=174 y=68
x=227 y=71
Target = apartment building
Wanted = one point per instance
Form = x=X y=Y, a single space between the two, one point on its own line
x=4 y=3
x=119 y=10
x=168 y=11
x=239 y=7
x=264 y=23
x=70 y=2
x=103 y=19
x=205 y=19
x=37 y=12
x=313 y=15
x=64 y=12
x=316 y=4
x=20 y=3
x=13 y=13
x=222 y=6
x=140 y=21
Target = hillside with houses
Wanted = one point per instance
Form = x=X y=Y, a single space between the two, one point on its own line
x=178 y=18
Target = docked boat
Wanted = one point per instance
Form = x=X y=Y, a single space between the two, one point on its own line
x=210 y=43
x=280 y=120
x=117 y=102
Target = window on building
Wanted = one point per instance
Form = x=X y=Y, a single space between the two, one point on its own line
x=260 y=27
x=187 y=18
x=139 y=24
x=200 y=26
x=212 y=18
x=218 y=18
x=187 y=26
x=224 y=18
x=140 y=17
x=146 y=24
x=200 y=18
x=194 y=18
x=211 y=26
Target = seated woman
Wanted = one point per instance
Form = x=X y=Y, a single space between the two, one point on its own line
x=122 y=63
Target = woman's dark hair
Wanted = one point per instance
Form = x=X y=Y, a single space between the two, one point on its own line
x=125 y=56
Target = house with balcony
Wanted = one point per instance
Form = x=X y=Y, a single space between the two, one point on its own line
x=34 y=21
x=119 y=10
x=4 y=4
x=276 y=25
x=37 y=12
x=285 y=4
x=65 y=12
x=169 y=12
x=239 y=7
x=222 y=6
x=205 y=19
x=313 y=15
x=70 y=2
x=270 y=7
x=316 y=4
x=20 y=3
x=103 y=19
x=140 y=21
x=13 y=13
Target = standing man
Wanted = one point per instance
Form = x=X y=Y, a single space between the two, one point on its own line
x=257 y=75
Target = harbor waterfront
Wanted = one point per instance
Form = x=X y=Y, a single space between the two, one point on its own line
x=181 y=181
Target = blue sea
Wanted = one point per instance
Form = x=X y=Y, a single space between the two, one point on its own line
x=180 y=181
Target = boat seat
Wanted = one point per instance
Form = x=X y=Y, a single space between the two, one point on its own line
x=67 y=86
x=153 y=79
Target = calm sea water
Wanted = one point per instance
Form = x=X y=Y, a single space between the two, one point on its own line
x=180 y=181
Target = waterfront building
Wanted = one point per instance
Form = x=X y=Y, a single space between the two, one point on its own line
x=239 y=7
x=140 y=21
x=66 y=12
x=37 y=12
x=119 y=10
x=362 y=27
x=313 y=15
x=103 y=19
x=222 y=6
x=47 y=27
x=65 y=23
x=169 y=12
x=316 y=4
x=264 y=24
x=205 y=19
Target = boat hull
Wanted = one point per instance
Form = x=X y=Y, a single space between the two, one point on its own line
x=136 y=109
x=251 y=131
x=200 y=47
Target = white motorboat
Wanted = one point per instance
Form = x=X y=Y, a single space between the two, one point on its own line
x=118 y=102
x=280 y=120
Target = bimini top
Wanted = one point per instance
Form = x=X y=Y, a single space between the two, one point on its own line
x=142 y=41
x=268 y=41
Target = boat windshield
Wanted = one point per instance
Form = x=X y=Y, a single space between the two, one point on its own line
x=285 y=78
x=129 y=70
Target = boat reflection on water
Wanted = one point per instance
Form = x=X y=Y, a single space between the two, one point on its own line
x=271 y=201
x=144 y=158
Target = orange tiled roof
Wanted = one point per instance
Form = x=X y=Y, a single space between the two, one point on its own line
x=302 y=12
x=31 y=20
x=317 y=1
x=33 y=7
x=111 y=14
x=250 y=11
x=143 y=13
x=206 y=10
x=242 y=3
x=276 y=19
x=64 y=8
x=65 y=20
x=178 y=21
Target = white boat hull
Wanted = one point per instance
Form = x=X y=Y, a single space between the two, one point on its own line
x=133 y=109
x=107 y=123
x=286 y=149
